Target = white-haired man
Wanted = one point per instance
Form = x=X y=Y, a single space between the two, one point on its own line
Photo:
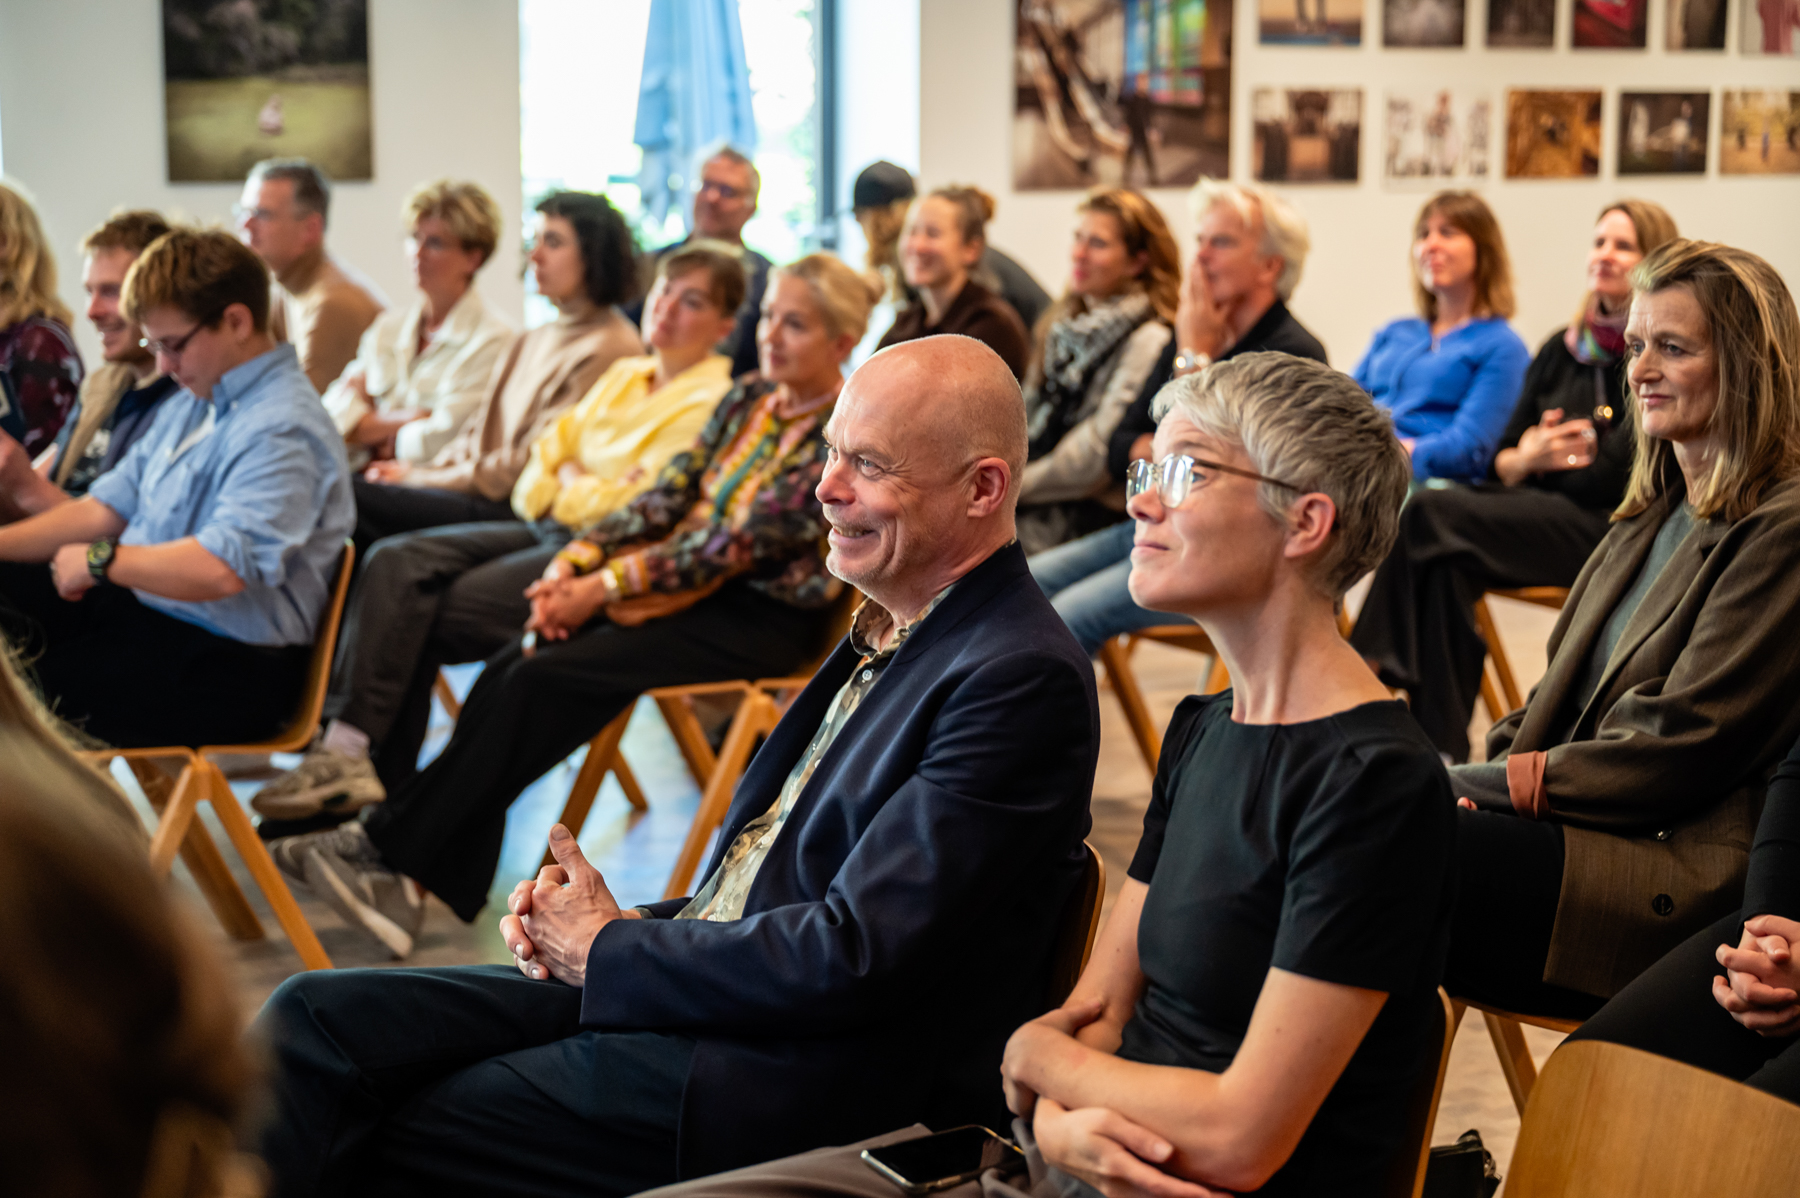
x=1249 y=250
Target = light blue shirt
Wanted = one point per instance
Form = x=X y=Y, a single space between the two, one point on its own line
x=258 y=477
x=1453 y=396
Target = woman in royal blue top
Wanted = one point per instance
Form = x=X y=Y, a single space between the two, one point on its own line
x=1451 y=375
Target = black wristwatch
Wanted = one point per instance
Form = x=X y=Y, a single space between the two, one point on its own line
x=100 y=557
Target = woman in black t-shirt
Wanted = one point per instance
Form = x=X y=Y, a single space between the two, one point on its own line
x=1259 y=1007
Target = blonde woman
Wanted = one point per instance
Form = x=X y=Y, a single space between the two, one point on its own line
x=38 y=358
x=1615 y=813
x=422 y=371
x=1098 y=346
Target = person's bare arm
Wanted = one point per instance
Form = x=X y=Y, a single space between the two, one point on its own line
x=183 y=570
x=38 y=538
x=1232 y=1129
x=26 y=484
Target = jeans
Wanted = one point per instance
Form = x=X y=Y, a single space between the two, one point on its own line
x=1085 y=581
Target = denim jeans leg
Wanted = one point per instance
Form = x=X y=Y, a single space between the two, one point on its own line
x=1062 y=567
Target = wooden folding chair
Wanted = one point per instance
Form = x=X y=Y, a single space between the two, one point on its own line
x=1421 y=1112
x=201 y=780
x=1497 y=667
x=1079 y=925
x=1115 y=663
x=1506 y=1030
x=1609 y=1120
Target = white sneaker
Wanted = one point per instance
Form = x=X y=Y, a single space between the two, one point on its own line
x=325 y=780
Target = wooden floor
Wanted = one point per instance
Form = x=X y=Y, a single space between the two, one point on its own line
x=635 y=852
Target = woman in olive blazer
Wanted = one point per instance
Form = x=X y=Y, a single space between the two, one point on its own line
x=1615 y=814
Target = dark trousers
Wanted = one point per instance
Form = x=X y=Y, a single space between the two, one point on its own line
x=425 y=600
x=1418 y=622
x=1509 y=873
x=387 y=509
x=525 y=714
x=130 y=675
x=1670 y=1010
x=467 y=1080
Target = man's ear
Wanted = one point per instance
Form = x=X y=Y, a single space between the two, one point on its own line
x=991 y=477
x=238 y=322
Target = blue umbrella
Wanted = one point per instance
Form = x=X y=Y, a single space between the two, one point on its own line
x=695 y=92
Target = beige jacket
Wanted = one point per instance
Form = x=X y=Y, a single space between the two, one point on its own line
x=1076 y=467
x=1658 y=781
x=319 y=307
x=540 y=375
x=448 y=379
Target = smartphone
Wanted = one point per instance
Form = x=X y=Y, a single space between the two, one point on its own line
x=949 y=1158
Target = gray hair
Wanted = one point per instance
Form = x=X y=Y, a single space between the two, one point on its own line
x=732 y=154
x=312 y=190
x=1307 y=424
x=1284 y=230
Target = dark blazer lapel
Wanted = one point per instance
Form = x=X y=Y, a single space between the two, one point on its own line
x=1594 y=605
x=972 y=593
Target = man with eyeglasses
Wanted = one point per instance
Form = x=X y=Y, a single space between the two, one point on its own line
x=185 y=589
x=724 y=201
x=318 y=304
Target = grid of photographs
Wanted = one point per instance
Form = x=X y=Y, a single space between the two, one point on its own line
x=1431 y=135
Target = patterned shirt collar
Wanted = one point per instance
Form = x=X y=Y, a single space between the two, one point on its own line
x=872 y=619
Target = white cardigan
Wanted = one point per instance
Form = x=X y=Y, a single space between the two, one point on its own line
x=449 y=379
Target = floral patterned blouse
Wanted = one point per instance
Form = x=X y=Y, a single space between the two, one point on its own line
x=740 y=502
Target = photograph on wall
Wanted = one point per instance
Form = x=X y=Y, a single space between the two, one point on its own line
x=261 y=79
x=1421 y=23
x=1552 y=135
x=1759 y=133
x=1132 y=93
x=1306 y=135
x=1771 y=26
x=1610 y=24
x=1310 y=22
x=1522 y=24
x=1697 y=24
x=1663 y=133
x=1436 y=135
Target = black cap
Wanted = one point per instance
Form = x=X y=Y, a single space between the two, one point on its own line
x=880 y=184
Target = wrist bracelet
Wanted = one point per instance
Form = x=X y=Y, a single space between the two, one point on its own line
x=583 y=555
x=1189 y=360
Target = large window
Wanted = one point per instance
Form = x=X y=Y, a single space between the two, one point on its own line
x=580 y=66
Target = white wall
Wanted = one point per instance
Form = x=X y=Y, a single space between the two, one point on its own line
x=1357 y=276
x=878 y=98
x=81 y=108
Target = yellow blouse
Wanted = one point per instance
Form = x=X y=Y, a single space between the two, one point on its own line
x=621 y=434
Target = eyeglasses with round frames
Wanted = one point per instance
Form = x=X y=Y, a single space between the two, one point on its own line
x=1175 y=477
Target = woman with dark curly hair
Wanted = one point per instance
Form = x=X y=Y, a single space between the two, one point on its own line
x=583 y=261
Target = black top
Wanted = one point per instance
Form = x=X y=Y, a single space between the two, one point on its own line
x=1276 y=331
x=1016 y=286
x=1321 y=848
x=975 y=312
x=1557 y=380
x=1772 y=886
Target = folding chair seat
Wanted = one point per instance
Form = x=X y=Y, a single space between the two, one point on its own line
x=1506 y=1030
x=199 y=779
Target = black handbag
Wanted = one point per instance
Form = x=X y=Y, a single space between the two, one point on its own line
x=1464 y=1169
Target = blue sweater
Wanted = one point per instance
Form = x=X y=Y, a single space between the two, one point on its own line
x=1454 y=399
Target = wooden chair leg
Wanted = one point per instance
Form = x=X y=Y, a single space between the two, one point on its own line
x=262 y=868
x=690 y=738
x=1490 y=697
x=1218 y=677
x=634 y=794
x=446 y=697
x=1115 y=658
x=1515 y=1056
x=176 y=799
x=1509 y=686
x=602 y=755
x=756 y=716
